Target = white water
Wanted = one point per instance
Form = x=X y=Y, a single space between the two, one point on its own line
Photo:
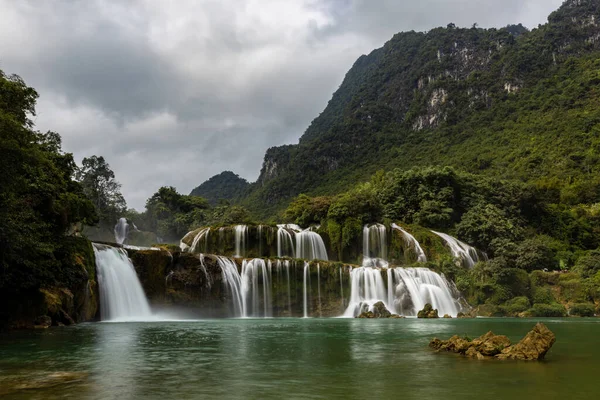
x=468 y=255
x=121 y=295
x=293 y=241
x=121 y=230
x=233 y=283
x=251 y=293
x=182 y=245
x=285 y=240
x=241 y=235
x=412 y=243
x=407 y=291
x=310 y=246
x=375 y=241
x=306 y=288
x=202 y=234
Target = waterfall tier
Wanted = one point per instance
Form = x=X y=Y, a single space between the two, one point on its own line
x=121 y=230
x=121 y=295
x=406 y=291
x=468 y=255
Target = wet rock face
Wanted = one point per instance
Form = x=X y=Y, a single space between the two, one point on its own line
x=428 y=312
x=533 y=346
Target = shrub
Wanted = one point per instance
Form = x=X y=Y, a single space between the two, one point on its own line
x=516 y=305
x=582 y=309
x=542 y=295
x=547 y=310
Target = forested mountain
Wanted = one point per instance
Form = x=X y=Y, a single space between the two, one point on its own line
x=508 y=103
x=225 y=186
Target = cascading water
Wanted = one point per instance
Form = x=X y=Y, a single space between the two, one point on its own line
x=285 y=240
x=366 y=289
x=407 y=291
x=375 y=241
x=121 y=230
x=412 y=243
x=307 y=244
x=241 y=235
x=374 y=246
x=251 y=272
x=310 y=246
x=121 y=295
x=202 y=234
x=468 y=255
x=233 y=284
x=306 y=288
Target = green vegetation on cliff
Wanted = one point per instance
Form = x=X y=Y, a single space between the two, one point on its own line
x=225 y=186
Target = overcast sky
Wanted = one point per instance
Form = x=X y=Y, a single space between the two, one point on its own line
x=174 y=92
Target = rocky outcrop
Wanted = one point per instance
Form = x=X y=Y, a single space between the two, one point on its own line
x=379 y=311
x=428 y=312
x=533 y=346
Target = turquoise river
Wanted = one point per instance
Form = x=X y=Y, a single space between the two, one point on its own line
x=292 y=359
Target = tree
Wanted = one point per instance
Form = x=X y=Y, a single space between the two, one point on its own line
x=171 y=214
x=40 y=203
x=100 y=186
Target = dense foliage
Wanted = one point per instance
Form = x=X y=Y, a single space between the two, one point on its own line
x=507 y=103
x=99 y=185
x=225 y=186
x=40 y=202
x=171 y=215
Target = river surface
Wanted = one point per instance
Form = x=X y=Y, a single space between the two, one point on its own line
x=292 y=359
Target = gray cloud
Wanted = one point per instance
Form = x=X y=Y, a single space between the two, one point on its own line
x=172 y=93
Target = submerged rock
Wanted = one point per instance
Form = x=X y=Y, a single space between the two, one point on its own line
x=533 y=346
x=428 y=312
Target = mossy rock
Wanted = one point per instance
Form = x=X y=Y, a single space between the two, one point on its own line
x=428 y=312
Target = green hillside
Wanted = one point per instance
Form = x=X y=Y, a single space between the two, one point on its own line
x=507 y=103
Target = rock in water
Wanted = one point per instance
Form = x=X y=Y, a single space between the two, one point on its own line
x=428 y=312
x=379 y=310
x=533 y=346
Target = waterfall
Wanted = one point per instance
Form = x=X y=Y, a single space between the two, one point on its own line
x=310 y=246
x=289 y=293
x=285 y=240
x=305 y=288
x=205 y=271
x=121 y=230
x=319 y=286
x=233 y=283
x=407 y=291
x=375 y=241
x=121 y=295
x=412 y=243
x=202 y=234
x=342 y=287
x=251 y=271
x=414 y=287
x=366 y=288
x=182 y=245
x=306 y=244
x=241 y=234
x=468 y=255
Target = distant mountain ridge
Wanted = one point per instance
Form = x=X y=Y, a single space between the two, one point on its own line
x=506 y=102
x=225 y=186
